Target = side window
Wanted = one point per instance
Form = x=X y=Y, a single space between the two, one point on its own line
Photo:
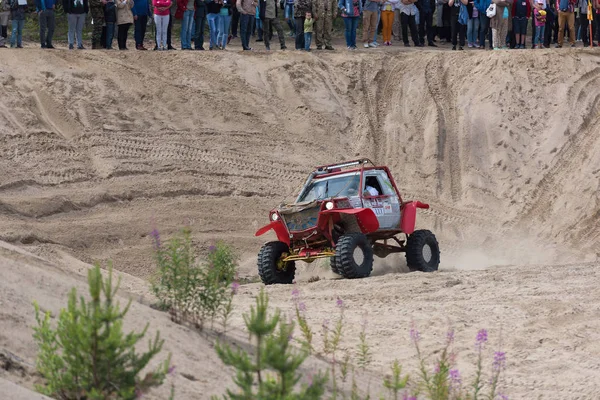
x=372 y=186
x=386 y=184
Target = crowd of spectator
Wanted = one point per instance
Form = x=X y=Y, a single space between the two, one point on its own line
x=502 y=23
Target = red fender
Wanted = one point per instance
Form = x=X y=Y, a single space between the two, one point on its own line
x=366 y=218
x=409 y=215
x=280 y=230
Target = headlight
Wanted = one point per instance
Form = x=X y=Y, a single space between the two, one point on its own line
x=329 y=205
x=274 y=217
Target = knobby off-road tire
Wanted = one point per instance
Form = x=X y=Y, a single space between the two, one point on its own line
x=354 y=256
x=333 y=263
x=422 y=251
x=268 y=257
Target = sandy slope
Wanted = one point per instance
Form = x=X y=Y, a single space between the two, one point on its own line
x=98 y=148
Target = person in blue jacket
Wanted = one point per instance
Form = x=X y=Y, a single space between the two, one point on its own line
x=484 y=21
x=45 y=11
x=141 y=11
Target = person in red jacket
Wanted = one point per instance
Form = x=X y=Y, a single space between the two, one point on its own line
x=521 y=12
x=161 y=20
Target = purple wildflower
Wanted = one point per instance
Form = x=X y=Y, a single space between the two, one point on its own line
x=499 y=360
x=138 y=393
x=156 y=238
x=408 y=397
x=502 y=396
x=481 y=339
x=450 y=336
x=325 y=324
x=212 y=249
x=414 y=334
x=171 y=370
x=436 y=369
x=339 y=303
x=309 y=379
x=455 y=380
x=234 y=287
x=295 y=294
x=302 y=307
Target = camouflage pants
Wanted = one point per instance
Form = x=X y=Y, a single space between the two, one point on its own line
x=323 y=28
x=98 y=17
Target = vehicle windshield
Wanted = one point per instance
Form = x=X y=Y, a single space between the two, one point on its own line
x=336 y=186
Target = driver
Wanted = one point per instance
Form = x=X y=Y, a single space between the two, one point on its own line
x=371 y=190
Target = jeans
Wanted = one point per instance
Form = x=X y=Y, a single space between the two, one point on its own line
x=76 y=22
x=539 y=35
x=213 y=27
x=162 y=23
x=140 y=29
x=199 y=33
x=258 y=27
x=289 y=16
x=377 y=26
x=186 y=29
x=122 y=31
x=224 y=22
x=484 y=26
x=472 y=30
x=299 y=33
x=426 y=18
x=16 y=38
x=246 y=29
x=47 y=23
x=350 y=24
x=110 y=34
x=307 y=40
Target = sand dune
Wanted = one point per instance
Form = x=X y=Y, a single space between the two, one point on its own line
x=98 y=148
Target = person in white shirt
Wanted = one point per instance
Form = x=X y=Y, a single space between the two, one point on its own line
x=372 y=191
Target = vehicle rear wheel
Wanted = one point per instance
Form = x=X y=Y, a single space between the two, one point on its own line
x=422 y=251
x=354 y=255
x=270 y=267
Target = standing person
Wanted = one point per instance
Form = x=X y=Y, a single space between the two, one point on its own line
x=200 y=23
x=370 y=10
x=162 y=14
x=566 y=15
x=17 y=20
x=396 y=29
x=426 y=9
x=124 y=21
x=484 y=21
x=539 y=15
x=213 y=9
x=473 y=26
x=46 y=18
x=268 y=14
x=224 y=20
x=235 y=22
x=324 y=12
x=521 y=11
x=258 y=26
x=458 y=29
x=387 y=17
x=247 y=9
x=499 y=23
x=584 y=23
x=188 y=8
x=141 y=12
x=4 y=17
x=172 y=11
x=76 y=11
x=301 y=7
x=97 y=11
x=408 y=10
x=110 y=18
x=308 y=29
x=289 y=16
x=351 y=10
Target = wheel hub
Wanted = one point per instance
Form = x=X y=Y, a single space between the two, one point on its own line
x=427 y=253
x=358 y=255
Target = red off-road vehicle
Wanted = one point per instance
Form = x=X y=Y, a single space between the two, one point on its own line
x=347 y=212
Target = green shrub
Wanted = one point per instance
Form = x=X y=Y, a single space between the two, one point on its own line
x=191 y=291
x=88 y=356
x=272 y=372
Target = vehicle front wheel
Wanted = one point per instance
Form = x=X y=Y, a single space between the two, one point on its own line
x=422 y=251
x=354 y=256
x=270 y=267
x=333 y=263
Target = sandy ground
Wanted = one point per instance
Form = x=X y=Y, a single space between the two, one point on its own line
x=98 y=148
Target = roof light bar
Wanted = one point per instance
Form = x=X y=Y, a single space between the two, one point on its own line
x=344 y=165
